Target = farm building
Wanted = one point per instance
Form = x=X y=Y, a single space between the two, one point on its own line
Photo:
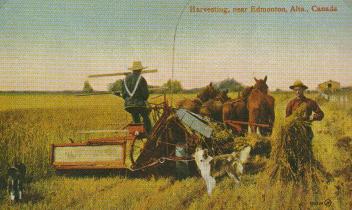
x=329 y=86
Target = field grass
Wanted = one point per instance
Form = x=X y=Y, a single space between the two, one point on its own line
x=30 y=123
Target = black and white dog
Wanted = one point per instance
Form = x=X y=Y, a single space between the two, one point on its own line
x=15 y=181
x=212 y=168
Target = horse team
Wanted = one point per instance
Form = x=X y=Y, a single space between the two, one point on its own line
x=254 y=107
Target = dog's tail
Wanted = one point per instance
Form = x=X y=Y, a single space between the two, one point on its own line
x=244 y=154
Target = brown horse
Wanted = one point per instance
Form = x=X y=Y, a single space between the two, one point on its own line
x=194 y=105
x=213 y=107
x=261 y=107
x=236 y=110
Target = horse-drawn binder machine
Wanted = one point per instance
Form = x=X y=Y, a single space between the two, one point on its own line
x=175 y=134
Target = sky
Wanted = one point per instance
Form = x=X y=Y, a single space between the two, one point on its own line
x=55 y=45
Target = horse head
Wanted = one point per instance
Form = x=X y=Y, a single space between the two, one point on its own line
x=260 y=84
x=222 y=95
x=209 y=92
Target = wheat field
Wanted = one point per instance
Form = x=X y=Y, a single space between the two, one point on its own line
x=31 y=123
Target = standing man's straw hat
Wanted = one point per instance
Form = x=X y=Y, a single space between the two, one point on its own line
x=137 y=65
x=298 y=83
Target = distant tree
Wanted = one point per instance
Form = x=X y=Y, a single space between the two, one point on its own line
x=116 y=86
x=87 y=88
x=173 y=86
x=230 y=84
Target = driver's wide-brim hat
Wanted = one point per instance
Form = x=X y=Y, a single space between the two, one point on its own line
x=298 y=83
x=137 y=65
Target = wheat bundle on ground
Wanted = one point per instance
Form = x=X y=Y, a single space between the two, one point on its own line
x=293 y=159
